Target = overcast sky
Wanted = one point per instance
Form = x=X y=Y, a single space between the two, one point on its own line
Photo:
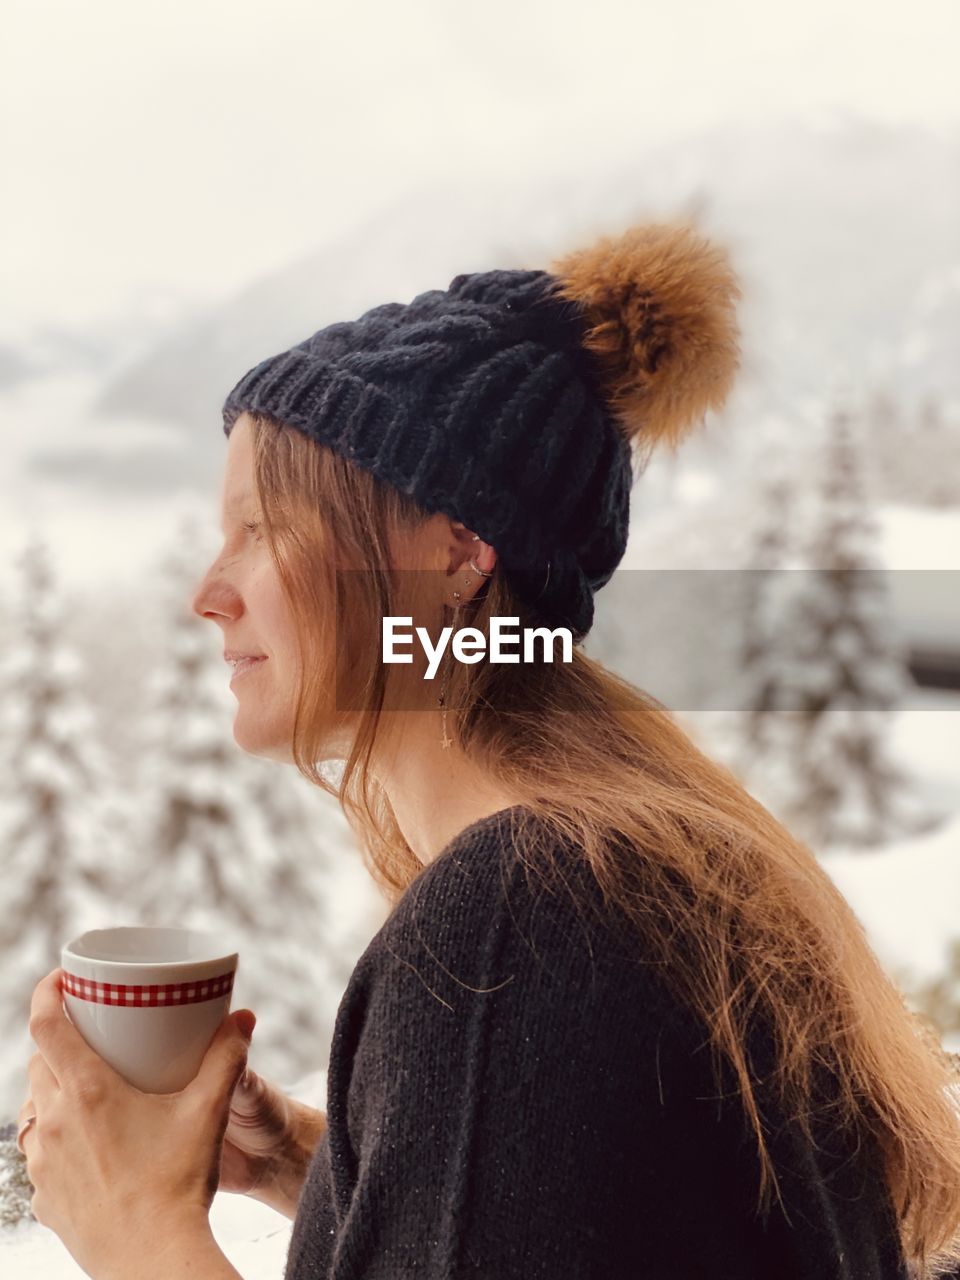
x=181 y=149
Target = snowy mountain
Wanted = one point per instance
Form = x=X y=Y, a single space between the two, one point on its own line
x=845 y=244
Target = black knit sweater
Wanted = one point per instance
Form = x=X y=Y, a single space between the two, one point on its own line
x=510 y=1097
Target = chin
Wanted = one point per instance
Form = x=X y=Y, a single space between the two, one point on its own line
x=272 y=738
x=258 y=739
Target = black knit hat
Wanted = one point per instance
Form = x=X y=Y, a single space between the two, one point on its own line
x=510 y=400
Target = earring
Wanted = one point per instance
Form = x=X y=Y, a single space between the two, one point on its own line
x=446 y=740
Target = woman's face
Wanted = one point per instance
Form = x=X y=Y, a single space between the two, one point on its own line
x=241 y=592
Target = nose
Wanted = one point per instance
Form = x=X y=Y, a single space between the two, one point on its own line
x=216 y=597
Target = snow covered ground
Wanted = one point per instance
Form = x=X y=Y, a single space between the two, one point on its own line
x=907 y=893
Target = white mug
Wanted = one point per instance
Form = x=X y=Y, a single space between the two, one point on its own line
x=149 y=1000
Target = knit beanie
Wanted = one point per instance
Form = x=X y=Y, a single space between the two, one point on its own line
x=518 y=401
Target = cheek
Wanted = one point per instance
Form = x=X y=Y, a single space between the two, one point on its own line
x=279 y=631
x=268 y=608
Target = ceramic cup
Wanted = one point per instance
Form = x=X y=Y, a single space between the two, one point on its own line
x=149 y=1000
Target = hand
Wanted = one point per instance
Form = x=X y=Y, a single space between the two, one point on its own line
x=268 y=1142
x=115 y=1170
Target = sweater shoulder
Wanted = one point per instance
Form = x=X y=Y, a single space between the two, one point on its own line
x=482 y=876
x=483 y=913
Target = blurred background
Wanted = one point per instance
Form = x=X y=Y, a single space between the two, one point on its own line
x=190 y=188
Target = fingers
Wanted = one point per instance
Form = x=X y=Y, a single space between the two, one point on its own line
x=258 y=1105
x=43 y=1090
x=248 y=1095
x=66 y=1052
x=43 y=1083
x=26 y=1114
x=26 y=1111
x=26 y=1126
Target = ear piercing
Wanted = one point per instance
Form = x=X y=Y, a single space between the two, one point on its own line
x=446 y=741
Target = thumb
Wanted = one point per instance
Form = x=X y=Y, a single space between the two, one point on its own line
x=226 y=1055
x=246 y=1020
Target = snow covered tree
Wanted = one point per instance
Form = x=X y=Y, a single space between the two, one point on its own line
x=916 y=452
x=16 y=1190
x=762 y=692
x=305 y=953
x=60 y=824
x=225 y=842
x=940 y=998
x=840 y=672
x=932 y=456
x=197 y=847
x=885 y=420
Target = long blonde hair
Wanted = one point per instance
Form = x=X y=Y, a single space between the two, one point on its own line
x=764 y=931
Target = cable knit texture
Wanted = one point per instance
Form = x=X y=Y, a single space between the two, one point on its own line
x=513 y=1096
x=511 y=399
x=478 y=400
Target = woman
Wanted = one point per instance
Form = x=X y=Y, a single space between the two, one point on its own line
x=619 y=1023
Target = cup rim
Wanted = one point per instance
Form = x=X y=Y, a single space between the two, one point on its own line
x=215 y=956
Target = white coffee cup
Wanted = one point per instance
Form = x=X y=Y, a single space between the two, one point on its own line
x=148 y=1000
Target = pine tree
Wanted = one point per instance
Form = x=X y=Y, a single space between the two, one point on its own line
x=884 y=420
x=917 y=452
x=16 y=1190
x=763 y=695
x=933 y=456
x=940 y=998
x=59 y=823
x=225 y=840
x=305 y=955
x=842 y=672
x=198 y=848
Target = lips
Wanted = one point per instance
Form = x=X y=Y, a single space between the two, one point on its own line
x=241 y=665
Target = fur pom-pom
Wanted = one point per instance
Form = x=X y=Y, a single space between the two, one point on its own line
x=659 y=302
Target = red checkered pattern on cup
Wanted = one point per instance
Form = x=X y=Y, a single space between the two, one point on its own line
x=155 y=995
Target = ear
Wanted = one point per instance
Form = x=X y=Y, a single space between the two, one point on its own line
x=469 y=546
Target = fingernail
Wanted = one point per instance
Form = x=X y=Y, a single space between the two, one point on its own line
x=246 y=1021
